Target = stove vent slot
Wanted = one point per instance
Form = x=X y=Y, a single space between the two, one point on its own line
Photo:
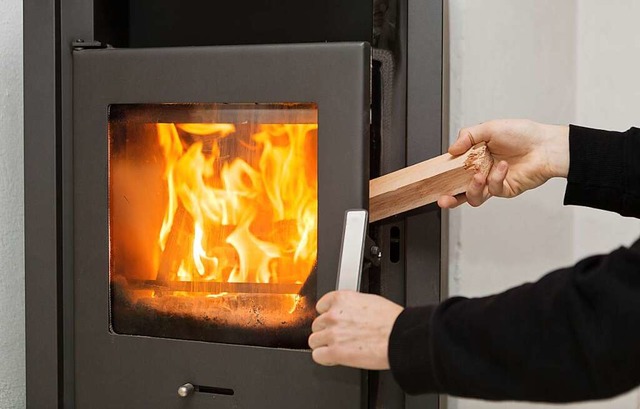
x=214 y=390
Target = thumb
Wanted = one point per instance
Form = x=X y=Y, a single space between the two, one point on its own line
x=467 y=137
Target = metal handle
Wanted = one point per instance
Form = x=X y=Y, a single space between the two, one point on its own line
x=354 y=237
x=186 y=390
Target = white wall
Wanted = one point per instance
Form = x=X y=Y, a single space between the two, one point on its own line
x=503 y=65
x=12 y=372
x=570 y=61
x=608 y=96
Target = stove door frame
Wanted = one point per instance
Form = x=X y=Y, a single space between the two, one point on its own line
x=131 y=371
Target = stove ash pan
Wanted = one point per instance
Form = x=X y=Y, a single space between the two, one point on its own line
x=210 y=188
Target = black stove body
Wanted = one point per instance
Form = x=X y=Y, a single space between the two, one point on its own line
x=187 y=169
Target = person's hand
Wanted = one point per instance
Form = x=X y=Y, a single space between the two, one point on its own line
x=353 y=330
x=526 y=154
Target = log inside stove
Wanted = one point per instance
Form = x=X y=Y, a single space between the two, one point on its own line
x=211 y=287
x=176 y=251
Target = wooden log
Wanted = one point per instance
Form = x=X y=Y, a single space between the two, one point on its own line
x=178 y=244
x=213 y=287
x=423 y=183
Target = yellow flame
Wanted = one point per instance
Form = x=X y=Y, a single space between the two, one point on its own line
x=172 y=149
x=219 y=295
x=296 y=300
x=253 y=211
x=255 y=257
x=220 y=130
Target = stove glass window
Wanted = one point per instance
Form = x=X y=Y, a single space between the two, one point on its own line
x=213 y=215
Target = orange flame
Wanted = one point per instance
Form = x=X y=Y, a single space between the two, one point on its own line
x=252 y=213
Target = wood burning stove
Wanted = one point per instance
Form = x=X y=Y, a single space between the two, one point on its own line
x=185 y=204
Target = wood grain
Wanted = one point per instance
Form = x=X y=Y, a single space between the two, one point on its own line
x=423 y=183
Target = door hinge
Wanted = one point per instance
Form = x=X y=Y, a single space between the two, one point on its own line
x=81 y=44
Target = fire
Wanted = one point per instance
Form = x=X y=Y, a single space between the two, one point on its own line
x=245 y=215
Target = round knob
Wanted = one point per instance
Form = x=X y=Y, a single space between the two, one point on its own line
x=186 y=390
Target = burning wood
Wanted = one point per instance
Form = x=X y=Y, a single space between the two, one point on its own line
x=215 y=288
x=264 y=206
x=176 y=248
x=238 y=239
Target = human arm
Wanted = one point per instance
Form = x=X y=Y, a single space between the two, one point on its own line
x=605 y=170
x=602 y=167
x=567 y=337
x=572 y=336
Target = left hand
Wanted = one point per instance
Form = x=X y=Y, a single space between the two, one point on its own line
x=353 y=330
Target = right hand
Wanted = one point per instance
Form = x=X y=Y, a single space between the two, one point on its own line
x=526 y=155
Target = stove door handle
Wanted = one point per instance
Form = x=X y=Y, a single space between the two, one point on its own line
x=354 y=238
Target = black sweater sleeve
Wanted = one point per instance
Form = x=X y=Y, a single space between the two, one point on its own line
x=574 y=335
x=605 y=170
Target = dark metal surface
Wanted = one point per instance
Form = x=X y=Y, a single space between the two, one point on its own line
x=111 y=21
x=124 y=371
x=49 y=26
x=41 y=244
x=392 y=36
x=163 y=23
x=75 y=23
x=424 y=140
x=413 y=32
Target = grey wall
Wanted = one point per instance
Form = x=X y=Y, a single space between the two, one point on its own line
x=12 y=375
x=569 y=61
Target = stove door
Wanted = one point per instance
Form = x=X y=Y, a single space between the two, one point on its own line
x=210 y=186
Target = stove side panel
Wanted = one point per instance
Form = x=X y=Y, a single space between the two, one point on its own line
x=41 y=250
x=424 y=233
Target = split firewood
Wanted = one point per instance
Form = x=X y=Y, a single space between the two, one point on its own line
x=422 y=184
x=216 y=287
x=178 y=244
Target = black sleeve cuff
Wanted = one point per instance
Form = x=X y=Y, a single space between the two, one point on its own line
x=602 y=171
x=411 y=351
